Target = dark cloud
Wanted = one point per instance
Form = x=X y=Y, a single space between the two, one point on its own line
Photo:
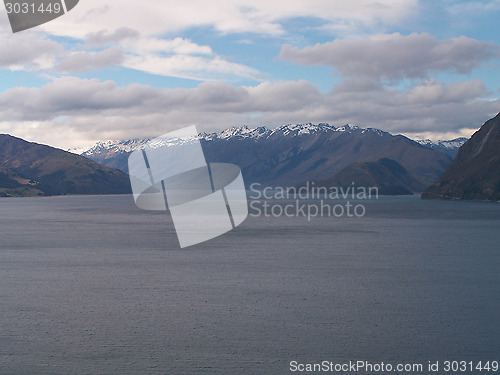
x=394 y=56
x=85 y=61
x=27 y=52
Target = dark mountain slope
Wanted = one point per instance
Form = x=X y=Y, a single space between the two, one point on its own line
x=390 y=177
x=34 y=169
x=475 y=172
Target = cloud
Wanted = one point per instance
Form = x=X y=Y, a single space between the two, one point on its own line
x=30 y=50
x=140 y=30
x=37 y=51
x=178 y=57
x=191 y=67
x=72 y=112
x=83 y=61
x=394 y=56
x=431 y=106
x=431 y=91
x=180 y=46
x=27 y=52
x=104 y=37
x=157 y=17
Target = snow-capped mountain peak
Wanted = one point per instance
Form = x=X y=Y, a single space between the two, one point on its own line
x=448 y=147
x=348 y=128
x=301 y=129
x=113 y=146
x=453 y=143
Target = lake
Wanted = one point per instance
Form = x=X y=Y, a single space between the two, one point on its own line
x=94 y=285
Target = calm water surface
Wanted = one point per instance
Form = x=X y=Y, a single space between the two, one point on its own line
x=93 y=285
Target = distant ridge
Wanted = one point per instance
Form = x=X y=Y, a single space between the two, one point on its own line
x=450 y=147
x=242 y=132
x=294 y=153
x=475 y=172
x=31 y=169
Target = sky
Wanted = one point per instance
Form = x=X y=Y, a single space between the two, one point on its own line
x=122 y=69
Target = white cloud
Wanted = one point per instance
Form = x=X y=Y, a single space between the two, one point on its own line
x=73 y=112
x=154 y=45
x=178 y=57
x=106 y=46
x=156 y=17
x=182 y=58
x=118 y=22
x=394 y=56
x=191 y=67
x=174 y=58
x=141 y=29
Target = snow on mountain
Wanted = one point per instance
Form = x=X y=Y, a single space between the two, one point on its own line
x=448 y=147
x=234 y=132
x=348 y=128
x=244 y=132
x=454 y=143
x=301 y=129
x=127 y=146
x=111 y=146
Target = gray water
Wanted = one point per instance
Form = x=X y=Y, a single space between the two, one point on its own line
x=93 y=285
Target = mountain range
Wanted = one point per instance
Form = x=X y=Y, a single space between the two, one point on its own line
x=475 y=172
x=292 y=154
x=31 y=169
